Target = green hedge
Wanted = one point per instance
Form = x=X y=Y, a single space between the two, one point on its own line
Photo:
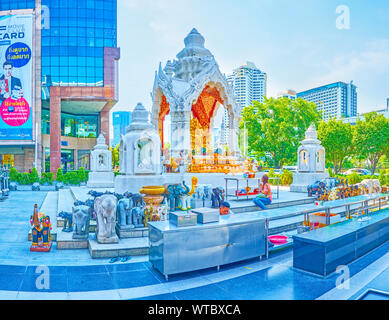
x=286 y=178
x=69 y=178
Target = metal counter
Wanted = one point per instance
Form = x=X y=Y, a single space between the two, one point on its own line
x=322 y=251
x=235 y=237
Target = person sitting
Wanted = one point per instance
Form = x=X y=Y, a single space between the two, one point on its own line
x=266 y=196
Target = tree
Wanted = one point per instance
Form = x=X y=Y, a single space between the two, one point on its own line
x=33 y=175
x=336 y=137
x=276 y=127
x=59 y=175
x=115 y=156
x=371 y=139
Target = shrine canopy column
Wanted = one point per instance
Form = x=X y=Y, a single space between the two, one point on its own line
x=164 y=110
x=180 y=133
x=234 y=135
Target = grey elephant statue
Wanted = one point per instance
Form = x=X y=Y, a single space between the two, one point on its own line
x=217 y=197
x=105 y=208
x=81 y=221
x=174 y=195
x=124 y=208
x=137 y=217
x=68 y=221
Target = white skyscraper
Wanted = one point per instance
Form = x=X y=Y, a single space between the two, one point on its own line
x=249 y=84
x=335 y=100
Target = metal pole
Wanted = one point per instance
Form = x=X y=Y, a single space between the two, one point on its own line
x=328 y=221
x=36 y=146
x=267 y=239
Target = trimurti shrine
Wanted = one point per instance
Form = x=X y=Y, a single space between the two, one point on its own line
x=191 y=89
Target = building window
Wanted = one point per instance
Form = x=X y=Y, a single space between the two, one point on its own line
x=84 y=159
x=67 y=160
x=79 y=126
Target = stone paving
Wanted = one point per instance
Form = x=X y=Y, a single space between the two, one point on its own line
x=15 y=215
x=74 y=275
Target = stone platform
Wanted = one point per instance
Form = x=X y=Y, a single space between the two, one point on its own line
x=125 y=247
x=302 y=180
x=135 y=183
x=65 y=241
x=132 y=233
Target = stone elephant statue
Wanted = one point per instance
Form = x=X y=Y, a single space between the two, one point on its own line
x=137 y=217
x=124 y=208
x=68 y=221
x=105 y=208
x=217 y=197
x=172 y=196
x=81 y=221
x=316 y=188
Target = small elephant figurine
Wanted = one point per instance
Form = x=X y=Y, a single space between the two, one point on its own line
x=81 y=217
x=124 y=208
x=217 y=197
x=68 y=221
x=137 y=217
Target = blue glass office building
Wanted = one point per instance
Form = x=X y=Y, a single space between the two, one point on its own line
x=73 y=39
x=120 y=121
x=78 y=63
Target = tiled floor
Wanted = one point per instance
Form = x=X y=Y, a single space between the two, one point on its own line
x=75 y=277
x=251 y=280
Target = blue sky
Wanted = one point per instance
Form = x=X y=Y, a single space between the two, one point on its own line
x=296 y=43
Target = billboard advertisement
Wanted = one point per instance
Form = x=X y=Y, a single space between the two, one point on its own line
x=16 y=101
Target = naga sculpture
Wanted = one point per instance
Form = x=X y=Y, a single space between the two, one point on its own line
x=105 y=208
x=81 y=217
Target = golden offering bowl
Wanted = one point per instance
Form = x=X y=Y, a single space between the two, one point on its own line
x=153 y=190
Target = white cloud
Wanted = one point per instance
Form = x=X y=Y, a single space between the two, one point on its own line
x=372 y=61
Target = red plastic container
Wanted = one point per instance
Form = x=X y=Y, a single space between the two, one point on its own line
x=278 y=239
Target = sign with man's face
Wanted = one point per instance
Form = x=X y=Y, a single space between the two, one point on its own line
x=7 y=70
x=16 y=104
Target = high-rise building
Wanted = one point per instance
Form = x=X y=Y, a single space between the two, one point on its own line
x=249 y=84
x=353 y=120
x=290 y=94
x=335 y=100
x=120 y=121
x=70 y=81
x=225 y=129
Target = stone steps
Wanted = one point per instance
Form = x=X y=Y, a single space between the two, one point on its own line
x=244 y=208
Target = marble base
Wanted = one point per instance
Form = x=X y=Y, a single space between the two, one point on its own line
x=101 y=180
x=65 y=241
x=128 y=233
x=302 y=180
x=126 y=247
x=134 y=183
x=80 y=237
x=113 y=239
